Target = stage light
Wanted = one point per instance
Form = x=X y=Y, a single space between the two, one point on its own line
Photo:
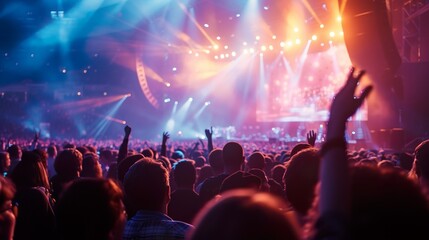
x=167 y=100
x=244 y=43
x=64 y=70
x=105 y=94
x=263 y=48
x=124 y=122
x=85 y=71
x=261 y=54
x=216 y=47
x=297 y=41
x=322 y=26
x=207 y=51
x=190 y=52
x=227 y=55
x=266 y=8
x=245 y=51
x=295 y=29
x=167 y=84
x=274 y=37
x=207 y=103
x=314 y=37
x=190 y=99
x=174 y=69
x=252 y=50
x=218 y=37
x=257 y=38
x=322 y=44
x=206 y=25
x=176 y=102
x=216 y=57
x=341 y=33
x=289 y=43
x=79 y=93
x=237 y=15
x=233 y=54
x=339 y=18
x=197 y=54
x=282 y=44
x=222 y=56
x=271 y=47
x=128 y=95
x=226 y=47
x=332 y=34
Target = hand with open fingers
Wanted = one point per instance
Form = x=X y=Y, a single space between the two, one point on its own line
x=165 y=137
x=345 y=103
x=311 y=138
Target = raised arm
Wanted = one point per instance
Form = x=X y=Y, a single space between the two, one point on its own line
x=123 y=149
x=334 y=192
x=311 y=138
x=209 y=134
x=165 y=137
x=35 y=140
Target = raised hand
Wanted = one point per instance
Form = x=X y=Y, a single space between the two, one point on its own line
x=345 y=103
x=165 y=137
x=311 y=138
x=127 y=130
x=209 y=133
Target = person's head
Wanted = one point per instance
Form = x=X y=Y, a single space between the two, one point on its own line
x=204 y=173
x=256 y=160
x=68 y=163
x=200 y=161
x=165 y=162
x=244 y=214
x=277 y=173
x=421 y=158
x=147 y=152
x=30 y=172
x=384 y=205
x=177 y=155
x=15 y=152
x=216 y=161
x=7 y=217
x=4 y=162
x=126 y=163
x=233 y=156
x=146 y=186
x=91 y=208
x=298 y=147
x=90 y=166
x=52 y=151
x=43 y=156
x=184 y=173
x=300 y=179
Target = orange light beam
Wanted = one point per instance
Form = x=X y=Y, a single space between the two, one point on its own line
x=183 y=7
x=342 y=6
x=310 y=9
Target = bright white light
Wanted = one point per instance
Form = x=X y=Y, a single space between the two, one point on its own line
x=218 y=37
x=252 y=50
x=233 y=54
x=226 y=47
x=339 y=18
x=197 y=54
x=190 y=52
x=128 y=95
x=207 y=103
x=105 y=94
x=174 y=69
x=167 y=100
x=190 y=99
x=244 y=43
x=216 y=47
x=295 y=29
x=206 y=25
x=266 y=8
x=79 y=93
x=222 y=56
x=271 y=47
x=216 y=57
x=258 y=38
x=263 y=48
x=274 y=36
x=237 y=15
x=167 y=84
x=124 y=122
x=314 y=37
x=64 y=70
x=322 y=26
x=297 y=41
x=176 y=102
x=332 y=34
x=282 y=44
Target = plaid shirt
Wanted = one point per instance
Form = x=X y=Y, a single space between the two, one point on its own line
x=154 y=225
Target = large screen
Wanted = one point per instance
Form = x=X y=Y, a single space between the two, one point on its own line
x=301 y=89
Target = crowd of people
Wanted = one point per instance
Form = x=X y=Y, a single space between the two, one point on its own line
x=225 y=190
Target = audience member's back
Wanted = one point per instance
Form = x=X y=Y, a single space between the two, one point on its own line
x=243 y=214
x=147 y=190
x=91 y=208
x=185 y=202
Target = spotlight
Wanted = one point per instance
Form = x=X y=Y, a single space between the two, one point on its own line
x=297 y=41
x=167 y=84
x=295 y=29
x=190 y=99
x=79 y=93
x=216 y=47
x=206 y=25
x=332 y=34
x=174 y=69
x=263 y=48
x=218 y=37
x=128 y=95
x=176 y=102
x=105 y=93
x=124 y=122
x=226 y=47
x=252 y=50
x=274 y=37
x=258 y=38
x=339 y=18
x=207 y=103
x=233 y=54
x=167 y=100
x=282 y=44
x=271 y=47
x=322 y=26
x=244 y=43
x=237 y=15
x=314 y=37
